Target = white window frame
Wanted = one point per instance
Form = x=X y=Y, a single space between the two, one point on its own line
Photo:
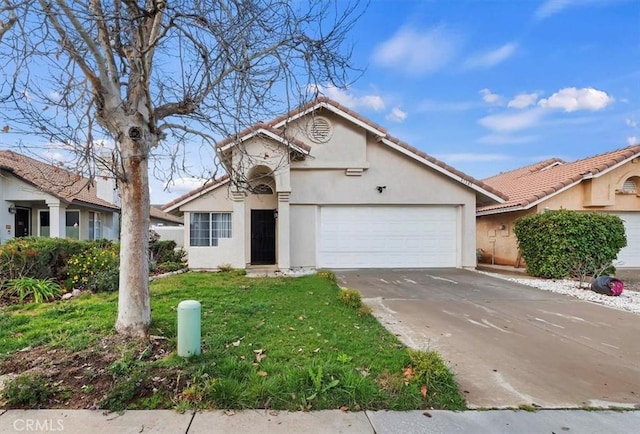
x=219 y=226
x=76 y=211
x=95 y=226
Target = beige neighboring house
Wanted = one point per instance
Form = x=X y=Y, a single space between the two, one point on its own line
x=40 y=199
x=607 y=182
x=324 y=187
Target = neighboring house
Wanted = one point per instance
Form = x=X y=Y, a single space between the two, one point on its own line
x=158 y=217
x=607 y=182
x=41 y=199
x=324 y=187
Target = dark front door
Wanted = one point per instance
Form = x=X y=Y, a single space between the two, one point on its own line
x=263 y=237
x=22 y=222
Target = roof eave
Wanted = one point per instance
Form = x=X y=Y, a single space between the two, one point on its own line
x=268 y=133
x=195 y=195
x=333 y=109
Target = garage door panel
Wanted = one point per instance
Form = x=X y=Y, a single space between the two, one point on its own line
x=630 y=255
x=379 y=237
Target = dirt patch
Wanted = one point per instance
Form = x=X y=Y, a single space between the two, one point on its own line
x=84 y=379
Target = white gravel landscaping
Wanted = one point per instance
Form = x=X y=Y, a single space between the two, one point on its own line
x=628 y=300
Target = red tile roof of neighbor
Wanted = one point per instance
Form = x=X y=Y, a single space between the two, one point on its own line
x=527 y=185
x=324 y=102
x=56 y=181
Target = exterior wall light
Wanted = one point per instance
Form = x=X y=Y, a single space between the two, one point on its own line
x=12 y=209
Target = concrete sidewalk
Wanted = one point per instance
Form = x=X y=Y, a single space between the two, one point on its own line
x=329 y=422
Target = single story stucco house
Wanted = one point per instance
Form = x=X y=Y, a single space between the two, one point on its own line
x=608 y=182
x=40 y=199
x=322 y=186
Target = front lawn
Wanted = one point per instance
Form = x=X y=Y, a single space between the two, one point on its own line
x=282 y=343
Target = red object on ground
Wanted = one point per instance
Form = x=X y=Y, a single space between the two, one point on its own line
x=617 y=287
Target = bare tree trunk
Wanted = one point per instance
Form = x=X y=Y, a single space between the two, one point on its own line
x=134 y=310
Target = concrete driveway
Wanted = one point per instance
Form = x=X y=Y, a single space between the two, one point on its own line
x=509 y=344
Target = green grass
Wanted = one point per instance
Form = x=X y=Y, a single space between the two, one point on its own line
x=285 y=343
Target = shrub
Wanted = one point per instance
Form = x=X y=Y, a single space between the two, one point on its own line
x=40 y=258
x=165 y=251
x=561 y=244
x=28 y=288
x=95 y=269
x=327 y=274
x=225 y=268
x=351 y=298
x=167 y=267
x=33 y=391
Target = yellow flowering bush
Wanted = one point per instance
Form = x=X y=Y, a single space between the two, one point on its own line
x=95 y=269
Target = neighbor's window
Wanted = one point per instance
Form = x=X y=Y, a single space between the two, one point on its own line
x=206 y=228
x=73 y=225
x=45 y=223
x=95 y=226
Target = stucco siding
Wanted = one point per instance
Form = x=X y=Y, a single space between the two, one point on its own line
x=407 y=182
x=303 y=235
x=496 y=238
x=215 y=200
x=346 y=146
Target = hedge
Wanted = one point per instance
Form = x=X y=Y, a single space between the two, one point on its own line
x=561 y=244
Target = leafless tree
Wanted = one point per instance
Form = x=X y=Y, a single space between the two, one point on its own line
x=156 y=78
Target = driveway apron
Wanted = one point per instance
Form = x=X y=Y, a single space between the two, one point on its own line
x=509 y=344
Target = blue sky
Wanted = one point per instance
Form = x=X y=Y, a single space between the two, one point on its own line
x=488 y=86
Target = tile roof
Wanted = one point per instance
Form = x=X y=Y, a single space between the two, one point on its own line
x=156 y=213
x=527 y=185
x=256 y=129
x=275 y=127
x=57 y=181
x=324 y=101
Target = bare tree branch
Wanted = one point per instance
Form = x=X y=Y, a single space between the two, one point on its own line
x=161 y=81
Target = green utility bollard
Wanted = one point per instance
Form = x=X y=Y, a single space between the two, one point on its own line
x=188 y=328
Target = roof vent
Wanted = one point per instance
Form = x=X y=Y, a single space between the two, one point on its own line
x=319 y=129
x=629 y=186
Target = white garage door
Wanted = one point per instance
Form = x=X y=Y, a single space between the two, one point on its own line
x=630 y=255
x=386 y=237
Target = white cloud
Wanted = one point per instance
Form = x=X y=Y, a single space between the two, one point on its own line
x=505 y=139
x=490 y=97
x=418 y=52
x=348 y=99
x=508 y=122
x=571 y=99
x=491 y=58
x=523 y=100
x=184 y=185
x=471 y=157
x=633 y=140
x=397 y=115
x=631 y=122
x=552 y=7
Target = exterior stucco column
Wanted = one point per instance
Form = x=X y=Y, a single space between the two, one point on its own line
x=283 y=243
x=238 y=229
x=57 y=219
